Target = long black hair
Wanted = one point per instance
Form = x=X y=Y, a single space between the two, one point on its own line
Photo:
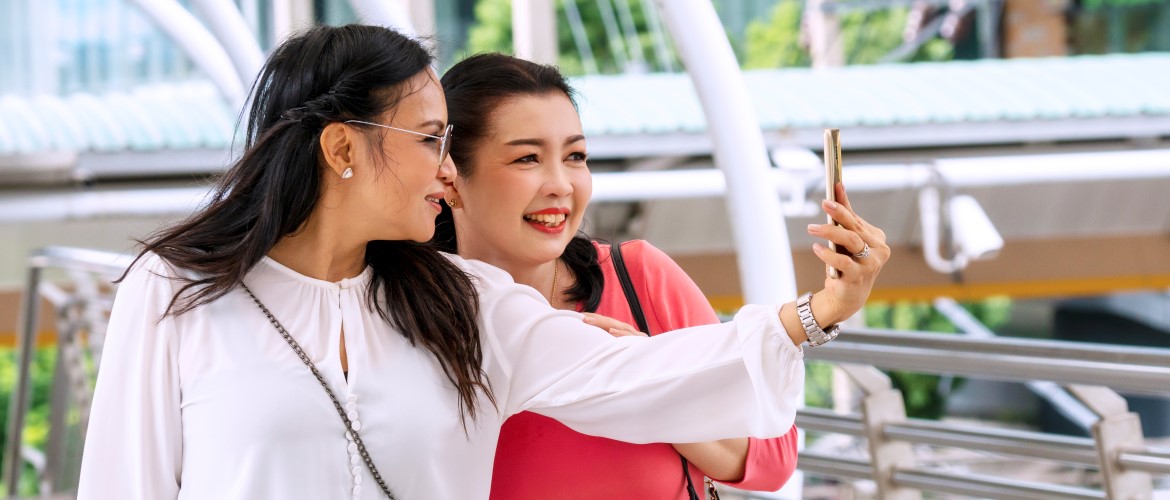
x=474 y=88
x=326 y=75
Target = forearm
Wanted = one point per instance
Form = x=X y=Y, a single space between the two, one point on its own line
x=722 y=460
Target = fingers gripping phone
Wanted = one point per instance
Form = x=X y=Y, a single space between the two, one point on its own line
x=832 y=178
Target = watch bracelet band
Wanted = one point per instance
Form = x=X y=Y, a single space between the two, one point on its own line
x=816 y=335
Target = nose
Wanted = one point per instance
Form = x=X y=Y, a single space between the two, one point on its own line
x=447 y=170
x=557 y=183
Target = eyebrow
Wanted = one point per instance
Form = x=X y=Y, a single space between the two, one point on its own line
x=437 y=123
x=540 y=142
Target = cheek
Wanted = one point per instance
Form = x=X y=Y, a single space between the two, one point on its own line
x=501 y=198
x=388 y=191
x=484 y=207
x=583 y=189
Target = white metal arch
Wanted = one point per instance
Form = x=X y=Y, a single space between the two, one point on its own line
x=228 y=25
x=764 y=253
x=761 y=239
x=199 y=44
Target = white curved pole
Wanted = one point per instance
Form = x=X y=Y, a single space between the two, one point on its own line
x=228 y=25
x=388 y=13
x=198 y=44
x=761 y=239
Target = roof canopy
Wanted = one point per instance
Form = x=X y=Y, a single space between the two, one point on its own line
x=883 y=107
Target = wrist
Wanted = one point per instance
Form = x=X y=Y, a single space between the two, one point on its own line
x=792 y=326
x=824 y=313
x=817 y=335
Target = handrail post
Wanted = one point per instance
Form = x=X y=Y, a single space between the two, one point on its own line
x=883 y=405
x=18 y=406
x=1118 y=431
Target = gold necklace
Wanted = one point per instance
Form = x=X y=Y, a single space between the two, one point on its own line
x=553 y=292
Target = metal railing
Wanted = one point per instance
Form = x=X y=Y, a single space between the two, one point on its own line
x=1091 y=373
x=80 y=313
x=1127 y=369
x=1117 y=448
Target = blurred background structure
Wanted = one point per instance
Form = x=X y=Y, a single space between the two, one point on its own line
x=1017 y=153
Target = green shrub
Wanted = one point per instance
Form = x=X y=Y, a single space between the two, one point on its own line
x=36 y=428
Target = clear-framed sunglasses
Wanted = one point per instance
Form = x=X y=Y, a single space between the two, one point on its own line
x=444 y=140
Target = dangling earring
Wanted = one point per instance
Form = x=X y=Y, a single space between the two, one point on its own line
x=452 y=203
x=347 y=173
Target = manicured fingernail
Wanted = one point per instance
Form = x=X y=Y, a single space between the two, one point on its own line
x=830 y=204
x=812 y=228
x=817 y=247
x=588 y=319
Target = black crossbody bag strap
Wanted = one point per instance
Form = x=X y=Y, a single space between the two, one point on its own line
x=619 y=265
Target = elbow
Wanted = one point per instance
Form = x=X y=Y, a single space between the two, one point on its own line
x=776 y=464
x=778 y=479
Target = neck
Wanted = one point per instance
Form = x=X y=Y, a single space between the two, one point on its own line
x=320 y=249
x=539 y=276
x=536 y=274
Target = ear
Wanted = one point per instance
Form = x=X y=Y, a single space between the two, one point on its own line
x=451 y=192
x=338 y=147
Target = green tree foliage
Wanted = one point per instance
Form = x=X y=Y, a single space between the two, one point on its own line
x=866 y=37
x=775 y=42
x=492 y=32
x=1096 y=4
x=36 y=429
x=772 y=41
x=1113 y=26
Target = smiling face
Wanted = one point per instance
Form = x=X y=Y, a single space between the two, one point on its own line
x=397 y=183
x=529 y=186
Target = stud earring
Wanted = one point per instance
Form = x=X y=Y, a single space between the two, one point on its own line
x=347 y=173
x=452 y=203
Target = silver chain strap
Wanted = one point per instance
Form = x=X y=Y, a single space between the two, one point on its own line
x=357 y=439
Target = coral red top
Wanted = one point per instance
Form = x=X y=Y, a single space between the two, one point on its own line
x=540 y=458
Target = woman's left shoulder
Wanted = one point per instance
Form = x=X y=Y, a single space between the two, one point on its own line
x=631 y=249
x=644 y=252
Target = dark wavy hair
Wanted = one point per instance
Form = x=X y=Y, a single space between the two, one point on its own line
x=326 y=75
x=475 y=87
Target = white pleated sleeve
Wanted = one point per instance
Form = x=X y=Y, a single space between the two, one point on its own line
x=134 y=444
x=741 y=378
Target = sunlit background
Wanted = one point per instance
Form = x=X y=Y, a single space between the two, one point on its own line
x=1016 y=152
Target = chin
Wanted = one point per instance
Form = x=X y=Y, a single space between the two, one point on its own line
x=550 y=250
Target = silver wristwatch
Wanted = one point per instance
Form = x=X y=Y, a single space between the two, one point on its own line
x=816 y=336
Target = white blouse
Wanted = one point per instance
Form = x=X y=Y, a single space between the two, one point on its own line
x=214 y=405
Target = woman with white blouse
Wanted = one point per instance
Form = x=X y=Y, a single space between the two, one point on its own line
x=291 y=340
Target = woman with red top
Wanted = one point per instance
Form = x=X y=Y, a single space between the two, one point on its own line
x=517 y=203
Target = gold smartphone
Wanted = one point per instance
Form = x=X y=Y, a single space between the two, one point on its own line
x=832 y=177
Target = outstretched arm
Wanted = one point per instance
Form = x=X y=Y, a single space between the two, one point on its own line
x=649 y=390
